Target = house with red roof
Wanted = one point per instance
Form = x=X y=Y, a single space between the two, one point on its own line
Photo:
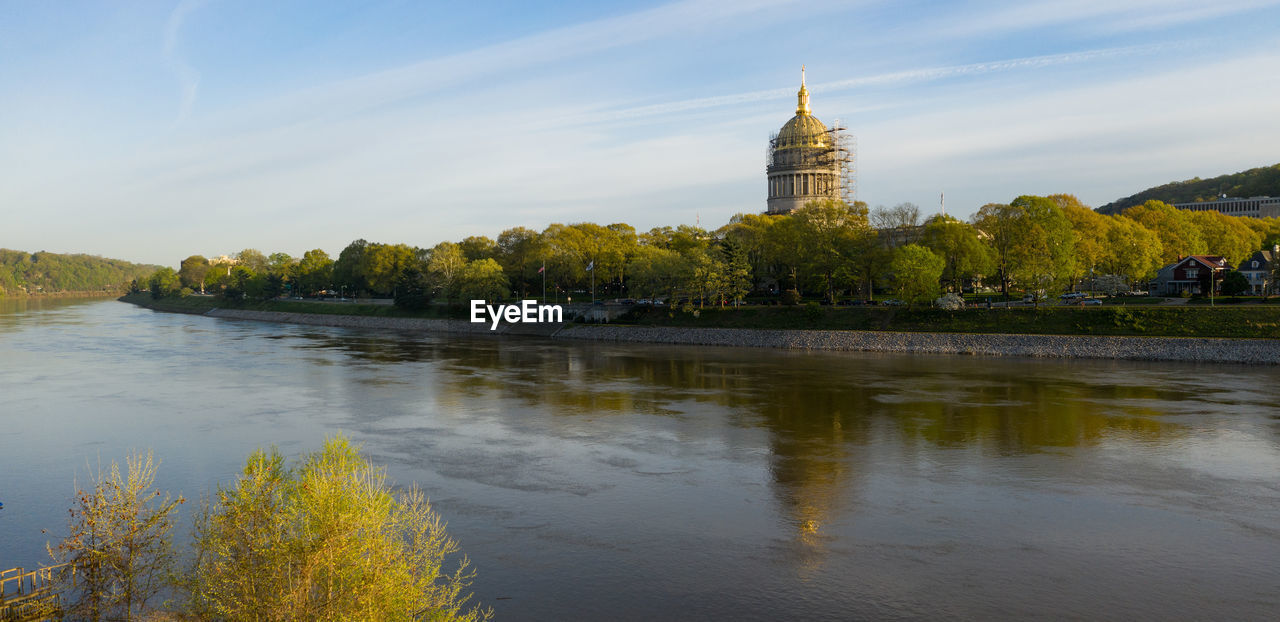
x=1193 y=274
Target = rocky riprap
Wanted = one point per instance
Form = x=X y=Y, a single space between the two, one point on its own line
x=1246 y=351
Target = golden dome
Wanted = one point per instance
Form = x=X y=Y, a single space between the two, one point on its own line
x=804 y=129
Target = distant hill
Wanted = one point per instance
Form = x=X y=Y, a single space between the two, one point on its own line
x=50 y=273
x=1264 y=181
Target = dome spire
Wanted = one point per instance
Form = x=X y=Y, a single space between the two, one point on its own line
x=803 y=107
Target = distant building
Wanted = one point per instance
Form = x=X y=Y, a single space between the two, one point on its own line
x=1193 y=274
x=1258 y=270
x=1253 y=207
x=808 y=161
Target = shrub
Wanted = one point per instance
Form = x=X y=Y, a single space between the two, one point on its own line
x=327 y=540
x=949 y=302
x=791 y=297
x=118 y=554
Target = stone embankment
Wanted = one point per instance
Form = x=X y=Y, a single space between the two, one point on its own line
x=1248 y=351
x=1203 y=350
x=359 y=321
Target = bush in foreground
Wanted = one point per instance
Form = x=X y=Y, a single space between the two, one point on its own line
x=327 y=540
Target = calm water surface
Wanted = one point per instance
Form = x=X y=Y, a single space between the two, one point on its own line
x=592 y=481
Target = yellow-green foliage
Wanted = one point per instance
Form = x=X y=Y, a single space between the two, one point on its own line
x=327 y=540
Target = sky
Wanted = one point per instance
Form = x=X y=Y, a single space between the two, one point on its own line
x=151 y=131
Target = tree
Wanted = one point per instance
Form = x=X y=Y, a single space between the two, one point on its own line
x=383 y=263
x=483 y=279
x=164 y=282
x=477 y=247
x=445 y=266
x=915 y=271
x=314 y=271
x=253 y=259
x=118 y=552
x=192 y=270
x=900 y=216
x=958 y=244
x=1091 y=229
x=1178 y=235
x=1132 y=250
x=829 y=232
x=520 y=252
x=1234 y=283
x=1049 y=252
x=349 y=269
x=1226 y=236
x=328 y=540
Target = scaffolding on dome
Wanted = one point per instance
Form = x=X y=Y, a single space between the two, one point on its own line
x=839 y=153
x=845 y=152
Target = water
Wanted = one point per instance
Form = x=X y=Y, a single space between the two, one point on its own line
x=596 y=481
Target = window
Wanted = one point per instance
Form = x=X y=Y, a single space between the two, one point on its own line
x=1193 y=273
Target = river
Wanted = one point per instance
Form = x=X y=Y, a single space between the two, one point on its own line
x=636 y=482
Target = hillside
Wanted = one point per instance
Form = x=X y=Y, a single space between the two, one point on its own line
x=51 y=273
x=1263 y=181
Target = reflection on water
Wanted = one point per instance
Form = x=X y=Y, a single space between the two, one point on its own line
x=624 y=481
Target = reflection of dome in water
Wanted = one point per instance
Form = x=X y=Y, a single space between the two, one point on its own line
x=804 y=161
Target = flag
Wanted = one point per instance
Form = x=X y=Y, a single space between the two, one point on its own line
x=591 y=265
x=542 y=269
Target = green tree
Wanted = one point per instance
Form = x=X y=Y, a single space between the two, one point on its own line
x=383 y=263
x=253 y=259
x=1132 y=251
x=445 y=267
x=314 y=271
x=1091 y=229
x=483 y=279
x=958 y=244
x=829 y=232
x=477 y=247
x=192 y=270
x=349 y=268
x=1234 y=283
x=1178 y=234
x=520 y=252
x=118 y=553
x=915 y=272
x=1227 y=236
x=328 y=540
x=164 y=282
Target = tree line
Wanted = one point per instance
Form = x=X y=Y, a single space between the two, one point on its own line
x=1261 y=181
x=826 y=249
x=23 y=273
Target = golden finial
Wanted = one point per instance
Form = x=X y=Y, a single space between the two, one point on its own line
x=803 y=107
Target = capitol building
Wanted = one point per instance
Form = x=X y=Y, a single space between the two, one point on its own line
x=808 y=161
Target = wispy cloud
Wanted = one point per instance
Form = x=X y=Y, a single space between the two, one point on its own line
x=188 y=77
x=1106 y=16
x=925 y=74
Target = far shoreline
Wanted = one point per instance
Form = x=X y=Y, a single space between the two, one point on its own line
x=1217 y=350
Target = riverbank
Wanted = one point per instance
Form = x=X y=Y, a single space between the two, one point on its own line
x=1188 y=349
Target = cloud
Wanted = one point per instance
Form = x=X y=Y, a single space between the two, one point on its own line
x=926 y=74
x=1101 y=16
x=188 y=77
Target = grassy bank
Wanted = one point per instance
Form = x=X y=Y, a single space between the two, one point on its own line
x=1150 y=321
x=202 y=304
x=1173 y=321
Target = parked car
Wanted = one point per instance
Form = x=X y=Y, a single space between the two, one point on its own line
x=1090 y=301
x=894 y=302
x=1071 y=295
